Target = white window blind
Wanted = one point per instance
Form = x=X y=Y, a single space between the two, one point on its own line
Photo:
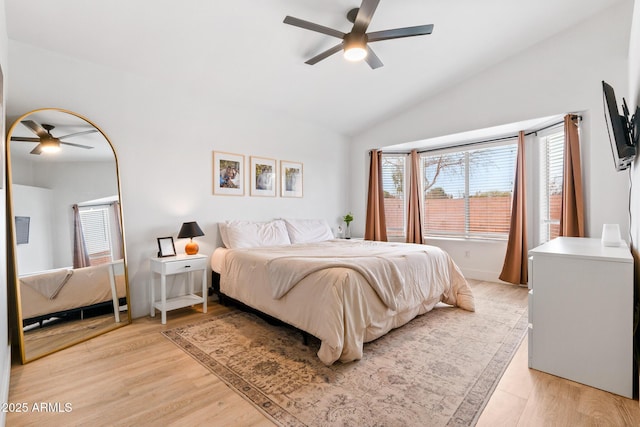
x=393 y=185
x=551 y=176
x=97 y=233
x=468 y=192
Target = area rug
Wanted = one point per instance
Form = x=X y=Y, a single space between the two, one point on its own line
x=438 y=370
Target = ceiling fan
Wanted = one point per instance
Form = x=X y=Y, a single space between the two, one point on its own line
x=46 y=141
x=355 y=43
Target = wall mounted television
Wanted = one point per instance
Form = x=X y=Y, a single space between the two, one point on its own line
x=623 y=132
x=22 y=230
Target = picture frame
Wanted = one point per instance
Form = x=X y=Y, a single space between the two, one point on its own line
x=263 y=176
x=166 y=247
x=291 y=178
x=228 y=174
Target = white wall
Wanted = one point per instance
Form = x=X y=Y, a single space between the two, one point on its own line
x=634 y=60
x=164 y=135
x=72 y=183
x=35 y=203
x=559 y=75
x=5 y=350
x=633 y=97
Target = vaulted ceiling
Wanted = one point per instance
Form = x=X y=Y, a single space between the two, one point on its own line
x=242 y=52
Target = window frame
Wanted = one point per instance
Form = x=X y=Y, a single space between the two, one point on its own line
x=398 y=234
x=107 y=256
x=468 y=234
x=540 y=220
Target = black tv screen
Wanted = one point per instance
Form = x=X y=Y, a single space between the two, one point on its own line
x=22 y=230
x=619 y=136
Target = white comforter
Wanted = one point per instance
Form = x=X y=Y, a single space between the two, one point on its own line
x=344 y=292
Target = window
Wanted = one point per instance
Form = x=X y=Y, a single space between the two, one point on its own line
x=393 y=185
x=468 y=191
x=97 y=233
x=551 y=156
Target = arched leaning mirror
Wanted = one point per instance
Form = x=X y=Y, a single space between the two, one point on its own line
x=65 y=220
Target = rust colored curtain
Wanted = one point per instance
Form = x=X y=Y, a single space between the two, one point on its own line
x=514 y=269
x=572 y=209
x=414 y=211
x=375 y=227
x=80 y=253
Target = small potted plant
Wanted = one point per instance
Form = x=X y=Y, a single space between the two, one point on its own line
x=347 y=219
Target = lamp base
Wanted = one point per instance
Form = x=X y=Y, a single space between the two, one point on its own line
x=191 y=248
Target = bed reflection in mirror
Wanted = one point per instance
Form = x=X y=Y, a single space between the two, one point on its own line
x=69 y=260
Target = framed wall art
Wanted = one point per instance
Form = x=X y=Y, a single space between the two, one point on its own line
x=263 y=176
x=291 y=178
x=228 y=174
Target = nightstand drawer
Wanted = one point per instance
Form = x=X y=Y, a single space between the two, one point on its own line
x=184 y=265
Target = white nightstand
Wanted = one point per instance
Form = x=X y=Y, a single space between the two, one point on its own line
x=177 y=265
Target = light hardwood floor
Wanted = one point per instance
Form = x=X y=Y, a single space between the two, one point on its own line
x=135 y=376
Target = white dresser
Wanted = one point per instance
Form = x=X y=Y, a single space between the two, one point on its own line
x=581 y=313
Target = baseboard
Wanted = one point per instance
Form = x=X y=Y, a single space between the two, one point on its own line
x=486 y=276
x=4 y=382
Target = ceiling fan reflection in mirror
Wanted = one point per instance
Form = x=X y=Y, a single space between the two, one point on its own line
x=47 y=143
x=355 y=44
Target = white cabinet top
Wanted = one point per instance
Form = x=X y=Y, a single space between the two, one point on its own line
x=584 y=247
x=178 y=258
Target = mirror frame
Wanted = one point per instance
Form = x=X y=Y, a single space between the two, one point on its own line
x=16 y=332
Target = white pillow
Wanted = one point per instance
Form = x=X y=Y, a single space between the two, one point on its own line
x=308 y=230
x=253 y=234
x=223 y=226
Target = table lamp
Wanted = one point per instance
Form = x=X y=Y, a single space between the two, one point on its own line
x=190 y=230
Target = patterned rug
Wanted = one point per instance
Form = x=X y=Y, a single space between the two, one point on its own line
x=438 y=370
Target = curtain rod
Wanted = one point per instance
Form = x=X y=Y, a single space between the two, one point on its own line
x=467 y=144
x=486 y=141
x=90 y=205
x=573 y=117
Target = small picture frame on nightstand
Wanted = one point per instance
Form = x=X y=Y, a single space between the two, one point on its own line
x=166 y=247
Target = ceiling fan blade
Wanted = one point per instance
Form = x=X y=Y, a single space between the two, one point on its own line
x=84 y=132
x=398 y=33
x=313 y=27
x=372 y=59
x=76 y=145
x=327 y=53
x=37 y=150
x=36 y=128
x=25 y=139
x=363 y=18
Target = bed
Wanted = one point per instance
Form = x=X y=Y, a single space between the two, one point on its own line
x=60 y=292
x=344 y=292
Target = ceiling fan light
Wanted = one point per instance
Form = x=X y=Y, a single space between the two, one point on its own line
x=50 y=149
x=355 y=53
x=49 y=146
x=355 y=46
